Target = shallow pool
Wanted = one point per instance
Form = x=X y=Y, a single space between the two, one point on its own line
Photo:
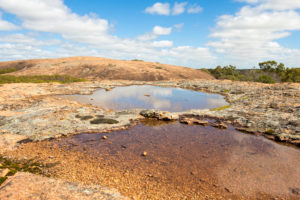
x=151 y=97
x=197 y=160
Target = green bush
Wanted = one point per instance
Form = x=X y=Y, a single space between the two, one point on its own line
x=291 y=75
x=265 y=79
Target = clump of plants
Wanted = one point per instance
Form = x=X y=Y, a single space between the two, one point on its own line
x=7 y=70
x=270 y=132
x=84 y=118
x=221 y=108
x=17 y=166
x=101 y=120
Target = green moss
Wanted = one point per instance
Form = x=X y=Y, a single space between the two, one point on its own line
x=24 y=166
x=104 y=121
x=221 y=108
x=2 y=179
x=269 y=132
x=39 y=79
x=84 y=118
x=226 y=91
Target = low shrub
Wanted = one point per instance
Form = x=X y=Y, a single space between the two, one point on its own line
x=39 y=79
x=265 y=79
x=7 y=70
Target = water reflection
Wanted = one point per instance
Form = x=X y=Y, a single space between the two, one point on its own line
x=151 y=97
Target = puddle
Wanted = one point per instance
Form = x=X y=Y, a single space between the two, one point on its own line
x=197 y=160
x=151 y=97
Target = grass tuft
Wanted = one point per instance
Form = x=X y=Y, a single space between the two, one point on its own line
x=220 y=108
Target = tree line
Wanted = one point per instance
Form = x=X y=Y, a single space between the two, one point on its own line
x=268 y=72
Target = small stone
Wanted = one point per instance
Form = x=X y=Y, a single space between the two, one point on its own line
x=295 y=191
x=4 y=172
x=144 y=153
x=228 y=190
x=104 y=137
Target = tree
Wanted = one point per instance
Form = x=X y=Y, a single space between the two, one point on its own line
x=280 y=68
x=268 y=66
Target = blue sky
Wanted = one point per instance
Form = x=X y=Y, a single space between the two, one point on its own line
x=194 y=33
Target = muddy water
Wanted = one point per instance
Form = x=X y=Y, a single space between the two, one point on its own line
x=198 y=161
x=151 y=97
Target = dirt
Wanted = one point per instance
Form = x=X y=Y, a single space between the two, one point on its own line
x=94 y=68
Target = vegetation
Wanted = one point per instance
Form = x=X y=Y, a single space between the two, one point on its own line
x=268 y=72
x=221 y=108
x=101 y=120
x=7 y=70
x=137 y=60
x=39 y=79
x=15 y=166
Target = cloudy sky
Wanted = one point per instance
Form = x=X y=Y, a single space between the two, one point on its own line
x=194 y=33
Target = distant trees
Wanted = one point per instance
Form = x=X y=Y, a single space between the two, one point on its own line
x=268 y=72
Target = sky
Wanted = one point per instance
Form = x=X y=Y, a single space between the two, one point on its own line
x=193 y=33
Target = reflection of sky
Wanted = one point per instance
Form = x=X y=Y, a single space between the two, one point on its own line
x=170 y=99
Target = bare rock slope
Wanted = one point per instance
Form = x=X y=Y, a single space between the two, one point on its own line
x=94 y=68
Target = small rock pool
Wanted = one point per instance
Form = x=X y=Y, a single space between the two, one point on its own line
x=151 y=97
x=193 y=161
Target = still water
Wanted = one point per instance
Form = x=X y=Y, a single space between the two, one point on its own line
x=151 y=97
x=196 y=161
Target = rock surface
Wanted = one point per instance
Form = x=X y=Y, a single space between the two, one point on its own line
x=36 y=187
x=35 y=112
x=94 y=68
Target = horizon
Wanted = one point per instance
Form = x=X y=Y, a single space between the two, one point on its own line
x=193 y=33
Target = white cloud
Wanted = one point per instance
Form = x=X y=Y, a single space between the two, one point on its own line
x=179 y=8
x=279 y=4
x=193 y=9
x=248 y=1
x=156 y=32
x=54 y=17
x=163 y=43
x=6 y=26
x=159 y=8
x=250 y=35
x=84 y=35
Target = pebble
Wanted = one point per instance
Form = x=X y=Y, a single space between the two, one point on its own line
x=144 y=153
x=104 y=137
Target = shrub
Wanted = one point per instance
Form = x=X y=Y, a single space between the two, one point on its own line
x=265 y=79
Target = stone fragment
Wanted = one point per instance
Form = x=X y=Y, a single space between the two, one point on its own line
x=4 y=172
